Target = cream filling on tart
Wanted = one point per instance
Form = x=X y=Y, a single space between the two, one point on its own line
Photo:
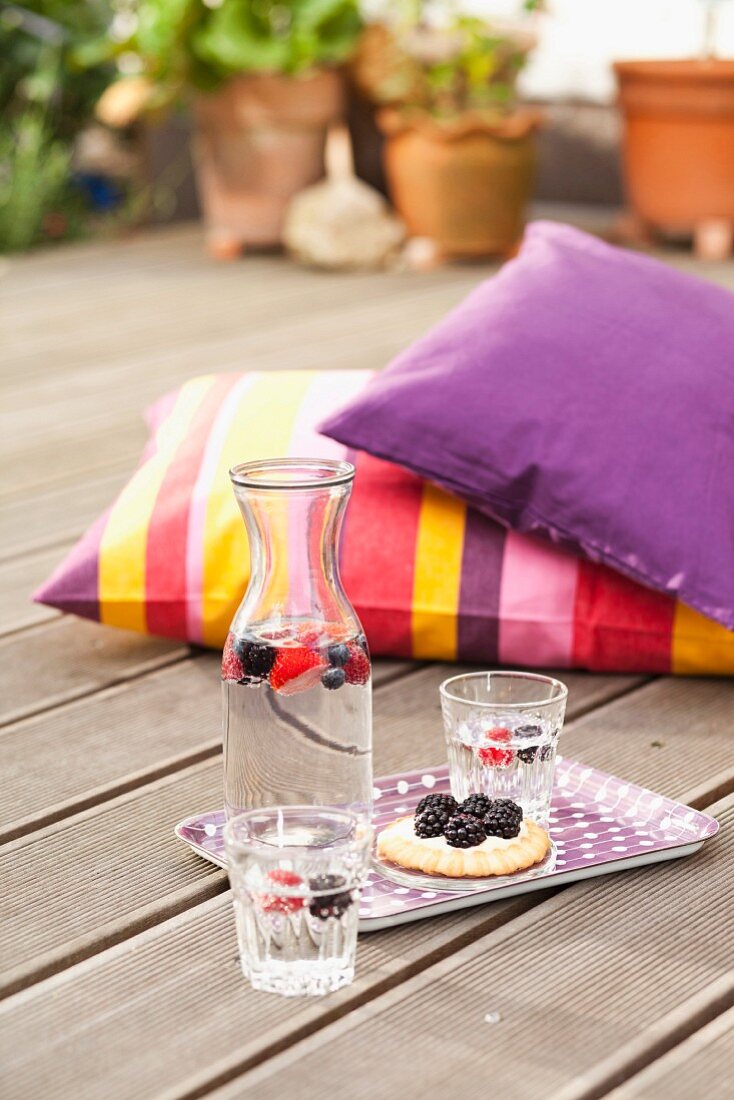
x=404 y=828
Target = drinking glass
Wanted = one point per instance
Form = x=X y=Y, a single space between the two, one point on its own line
x=296 y=874
x=502 y=731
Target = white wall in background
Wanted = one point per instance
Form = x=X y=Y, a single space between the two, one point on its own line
x=580 y=38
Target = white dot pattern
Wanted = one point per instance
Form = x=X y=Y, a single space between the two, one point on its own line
x=595 y=818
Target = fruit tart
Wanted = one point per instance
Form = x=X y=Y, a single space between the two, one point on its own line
x=478 y=838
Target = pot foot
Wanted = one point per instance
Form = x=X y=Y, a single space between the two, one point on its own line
x=224 y=246
x=631 y=229
x=713 y=239
x=422 y=254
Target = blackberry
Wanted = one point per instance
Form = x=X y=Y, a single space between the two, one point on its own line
x=503 y=819
x=445 y=801
x=325 y=904
x=476 y=804
x=432 y=821
x=464 y=831
x=545 y=752
x=526 y=756
x=528 y=731
x=334 y=678
x=338 y=654
x=257 y=657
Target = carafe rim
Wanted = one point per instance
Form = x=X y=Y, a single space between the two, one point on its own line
x=279 y=474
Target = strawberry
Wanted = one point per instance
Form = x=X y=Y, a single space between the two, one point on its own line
x=496 y=757
x=296 y=669
x=357 y=668
x=231 y=664
x=282 y=903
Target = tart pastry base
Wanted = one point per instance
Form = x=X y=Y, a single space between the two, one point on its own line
x=523 y=851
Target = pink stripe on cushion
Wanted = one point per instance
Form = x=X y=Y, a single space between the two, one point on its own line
x=307 y=442
x=200 y=501
x=167 y=540
x=326 y=391
x=537 y=601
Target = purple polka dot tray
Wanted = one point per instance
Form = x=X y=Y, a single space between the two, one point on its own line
x=598 y=824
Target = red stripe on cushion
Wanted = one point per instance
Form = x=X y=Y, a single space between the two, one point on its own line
x=378 y=551
x=165 y=579
x=619 y=625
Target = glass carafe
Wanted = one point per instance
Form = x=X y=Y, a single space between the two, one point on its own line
x=297 y=689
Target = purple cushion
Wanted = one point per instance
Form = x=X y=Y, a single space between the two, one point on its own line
x=584 y=393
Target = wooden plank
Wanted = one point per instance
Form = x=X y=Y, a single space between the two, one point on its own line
x=355 y=342
x=56 y=515
x=169 y=1014
x=67 y=658
x=154 y=725
x=44 y=869
x=568 y=986
x=702 y=1066
x=17 y=580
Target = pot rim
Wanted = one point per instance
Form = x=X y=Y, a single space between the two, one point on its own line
x=670 y=69
x=516 y=125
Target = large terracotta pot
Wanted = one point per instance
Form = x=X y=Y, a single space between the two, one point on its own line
x=464 y=185
x=679 y=144
x=259 y=140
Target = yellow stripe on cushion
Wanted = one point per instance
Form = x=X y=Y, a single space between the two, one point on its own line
x=268 y=419
x=700 y=646
x=122 y=552
x=437 y=577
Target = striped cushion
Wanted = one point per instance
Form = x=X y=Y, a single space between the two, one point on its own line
x=429 y=577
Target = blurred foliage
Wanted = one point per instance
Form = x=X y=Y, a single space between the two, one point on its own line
x=444 y=69
x=46 y=97
x=184 y=43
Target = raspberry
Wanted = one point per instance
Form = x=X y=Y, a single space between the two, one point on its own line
x=496 y=757
x=357 y=668
x=282 y=903
x=296 y=669
x=231 y=665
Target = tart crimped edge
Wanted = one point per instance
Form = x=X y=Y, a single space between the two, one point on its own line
x=518 y=855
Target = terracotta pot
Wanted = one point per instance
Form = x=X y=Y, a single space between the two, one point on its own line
x=259 y=140
x=463 y=184
x=679 y=142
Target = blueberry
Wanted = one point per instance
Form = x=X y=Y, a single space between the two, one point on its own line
x=338 y=654
x=333 y=678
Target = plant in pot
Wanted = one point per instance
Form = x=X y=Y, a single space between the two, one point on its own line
x=678 y=145
x=459 y=151
x=265 y=85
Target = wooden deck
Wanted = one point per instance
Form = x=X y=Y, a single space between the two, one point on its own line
x=117 y=945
